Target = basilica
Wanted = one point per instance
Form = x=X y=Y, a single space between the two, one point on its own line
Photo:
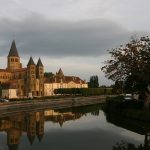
x=18 y=82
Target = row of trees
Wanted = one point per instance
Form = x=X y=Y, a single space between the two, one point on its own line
x=83 y=91
x=93 y=83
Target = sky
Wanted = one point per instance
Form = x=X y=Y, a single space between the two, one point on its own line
x=70 y=34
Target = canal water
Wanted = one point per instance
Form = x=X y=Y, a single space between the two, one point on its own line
x=85 y=128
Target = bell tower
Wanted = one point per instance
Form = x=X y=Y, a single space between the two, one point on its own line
x=40 y=76
x=13 y=59
x=31 y=77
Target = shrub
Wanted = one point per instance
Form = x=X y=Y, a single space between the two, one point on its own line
x=83 y=91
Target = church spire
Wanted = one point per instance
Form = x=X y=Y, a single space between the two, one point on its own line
x=60 y=72
x=31 y=62
x=39 y=63
x=13 y=50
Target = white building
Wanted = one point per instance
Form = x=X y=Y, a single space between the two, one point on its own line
x=9 y=90
x=60 y=81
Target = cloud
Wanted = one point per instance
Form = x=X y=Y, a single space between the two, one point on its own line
x=37 y=35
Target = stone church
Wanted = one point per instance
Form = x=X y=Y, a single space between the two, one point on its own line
x=17 y=81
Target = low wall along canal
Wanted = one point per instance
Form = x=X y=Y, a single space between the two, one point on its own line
x=12 y=107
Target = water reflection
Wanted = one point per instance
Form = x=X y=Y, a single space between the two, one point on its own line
x=33 y=124
x=129 y=146
x=132 y=125
x=74 y=128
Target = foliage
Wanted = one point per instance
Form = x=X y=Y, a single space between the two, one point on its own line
x=131 y=64
x=103 y=86
x=93 y=83
x=48 y=74
x=83 y=91
x=129 y=109
x=117 y=103
x=118 y=87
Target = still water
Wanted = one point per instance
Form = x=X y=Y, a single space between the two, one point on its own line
x=85 y=128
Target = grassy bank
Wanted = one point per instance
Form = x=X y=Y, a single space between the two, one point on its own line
x=128 y=109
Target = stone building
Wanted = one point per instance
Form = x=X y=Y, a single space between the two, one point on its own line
x=61 y=81
x=19 y=82
x=29 y=80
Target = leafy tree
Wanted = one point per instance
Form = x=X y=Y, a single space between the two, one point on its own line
x=93 y=83
x=48 y=74
x=103 y=86
x=131 y=65
x=118 y=87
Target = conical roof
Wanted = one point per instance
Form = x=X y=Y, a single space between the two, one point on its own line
x=39 y=63
x=40 y=137
x=60 y=73
x=31 y=62
x=13 y=50
x=31 y=139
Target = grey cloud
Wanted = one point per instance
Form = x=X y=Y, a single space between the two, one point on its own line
x=37 y=35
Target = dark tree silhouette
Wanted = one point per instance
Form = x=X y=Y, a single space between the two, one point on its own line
x=93 y=83
x=131 y=65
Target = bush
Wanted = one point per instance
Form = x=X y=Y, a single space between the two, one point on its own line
x=83 y=91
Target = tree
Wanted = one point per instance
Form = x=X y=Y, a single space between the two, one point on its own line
x=117 y=88
x=131 y=65
x=93 y=83
x=48 y=74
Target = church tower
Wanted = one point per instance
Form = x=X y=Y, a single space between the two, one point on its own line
x=13 y=59
x=60 y=73
x=40 y=77
x=31 y=77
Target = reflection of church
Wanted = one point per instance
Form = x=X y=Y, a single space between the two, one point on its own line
x=32 y=123
x=61 y=118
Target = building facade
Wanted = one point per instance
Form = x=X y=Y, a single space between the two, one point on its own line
x=22 y=82
x=61 y=81
x=19 y=82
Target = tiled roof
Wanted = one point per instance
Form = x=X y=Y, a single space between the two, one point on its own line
x=4 y=70
x=13 y=50
x=64 y=79
x=20 y=70
x=12 y=84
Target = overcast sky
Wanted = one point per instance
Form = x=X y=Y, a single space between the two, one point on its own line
x=71 y=34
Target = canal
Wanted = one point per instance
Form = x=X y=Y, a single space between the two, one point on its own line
x=83 y=128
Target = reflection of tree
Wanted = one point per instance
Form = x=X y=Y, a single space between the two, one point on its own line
x=129 y=146
x=147 y=141
x=95 y=113
x=132 y=125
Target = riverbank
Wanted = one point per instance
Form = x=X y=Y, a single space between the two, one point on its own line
x=128 y=109
x=61 y=103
